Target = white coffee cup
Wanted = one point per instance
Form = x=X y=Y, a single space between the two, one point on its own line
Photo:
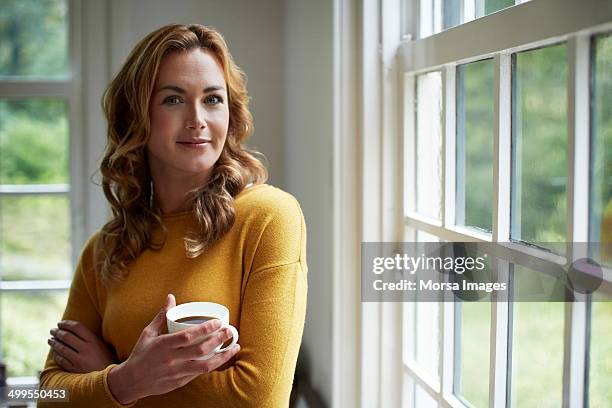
x=209 y=309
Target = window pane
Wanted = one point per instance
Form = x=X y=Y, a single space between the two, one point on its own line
x=539 y=145
x=427 y=318
x=27 y=318
x=475 y=145
x=34 y=38
x=473 y=337
x=33 y=141
x=35 y=237
x=452 y=13
x=600 y=359
x=428 y=337
x=430 y=17
x=601 y=146
x=429 y=144
x=484 y=7
x=537 y=349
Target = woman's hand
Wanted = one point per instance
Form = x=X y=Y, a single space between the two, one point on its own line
x=160 y=362
x=77 y=350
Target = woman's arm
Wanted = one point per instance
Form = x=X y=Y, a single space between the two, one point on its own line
x=82 y=307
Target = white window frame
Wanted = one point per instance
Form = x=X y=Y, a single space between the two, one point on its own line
x=398 y=60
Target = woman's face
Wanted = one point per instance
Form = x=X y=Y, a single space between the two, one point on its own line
x=189 y=115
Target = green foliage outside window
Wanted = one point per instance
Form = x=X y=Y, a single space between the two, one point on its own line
x=33 y=141
x=33 y=38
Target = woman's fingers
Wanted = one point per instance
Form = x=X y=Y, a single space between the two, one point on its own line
x=196 y=367
x=62 y=361
x=206 y=347
x=68 y=338
x=190 y=335
x=76 y=328
x=63 y=350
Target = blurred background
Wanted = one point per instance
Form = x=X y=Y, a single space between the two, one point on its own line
x=344 y=94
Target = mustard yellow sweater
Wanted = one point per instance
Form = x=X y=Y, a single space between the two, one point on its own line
x=258 y=270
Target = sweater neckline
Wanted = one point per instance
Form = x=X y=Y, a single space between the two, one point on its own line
x=181 y=214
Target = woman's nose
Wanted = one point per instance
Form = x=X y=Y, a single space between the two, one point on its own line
x=195 y=124
x=195 y=119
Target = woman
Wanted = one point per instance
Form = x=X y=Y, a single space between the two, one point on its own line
x=192 y=220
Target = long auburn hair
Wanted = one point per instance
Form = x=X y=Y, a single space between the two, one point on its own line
x=126 y=179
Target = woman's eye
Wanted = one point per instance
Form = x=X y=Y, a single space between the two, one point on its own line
x=172 y=100
x=213 y=99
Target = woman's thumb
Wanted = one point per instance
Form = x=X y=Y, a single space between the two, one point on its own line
x=158 y=324
x=170 y=302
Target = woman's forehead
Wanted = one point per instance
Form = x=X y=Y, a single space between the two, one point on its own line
x=197 y=68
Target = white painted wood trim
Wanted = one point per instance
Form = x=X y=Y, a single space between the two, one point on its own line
x=34 y=285
x=575 y=337
x=502 y=160
x=33 y=189
x=391 y=198
x=347 y=222
x=28 y=89
x=563 y=17
x=449 y=88
x=371 y=191
x=447 y=356
x=498 y=360
x=409 y=144
x=76 y=148
x=96 y=76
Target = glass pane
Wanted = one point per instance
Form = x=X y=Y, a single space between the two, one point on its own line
x=34 y=38
x=473 y=336
x=35 y=237
x=600 y=359
x=408 y=331
x=430 y=17
x=539 y=145
x=428 y=337
x=452 y=13
x=537 y=349
x=27 y=318
x=429 y=144
x=475 y=145
x=33 y=141
x=484 y=7
x=601 y=146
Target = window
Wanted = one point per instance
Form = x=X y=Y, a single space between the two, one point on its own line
x=37 y=196
x=507 y=139
x=539 y=145
x=475 y=145
x=438 y=15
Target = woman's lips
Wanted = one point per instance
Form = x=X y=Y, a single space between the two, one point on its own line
x=194 y=143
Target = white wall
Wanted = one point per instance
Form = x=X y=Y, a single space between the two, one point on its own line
x=254 y=33
x=308 y=157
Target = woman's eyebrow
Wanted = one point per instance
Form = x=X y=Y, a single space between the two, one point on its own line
x=180 y=90
x=172 y=88
x=214 y=88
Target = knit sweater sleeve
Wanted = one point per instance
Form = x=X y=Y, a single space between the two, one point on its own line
x=82 y=306
x=271 y=319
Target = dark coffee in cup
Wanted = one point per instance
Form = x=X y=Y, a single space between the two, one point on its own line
x=194 y=319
